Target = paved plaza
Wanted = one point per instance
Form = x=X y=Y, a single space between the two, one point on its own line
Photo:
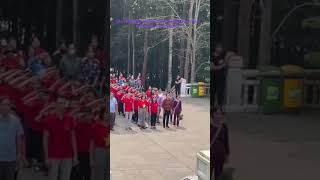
x=263 y=147
x=162 y=154
x=277 y=147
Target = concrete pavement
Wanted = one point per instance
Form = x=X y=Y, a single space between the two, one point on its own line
x=277 y=147
x=162 y=154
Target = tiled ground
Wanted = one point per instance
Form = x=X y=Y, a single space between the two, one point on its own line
x=162 y=154
x=277 y=147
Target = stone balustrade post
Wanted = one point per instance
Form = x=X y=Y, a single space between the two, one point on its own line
x=234 y=84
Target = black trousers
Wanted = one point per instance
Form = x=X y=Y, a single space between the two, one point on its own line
x=153 y=119
x=176 y=119
x=178 y=91
x=35 y=150
x=218 y=92
x=84 y=166
x=112 y=119
x=7 y=170
x=121 y=108
x=135 y=116
x=166 y=116
x=219 y=157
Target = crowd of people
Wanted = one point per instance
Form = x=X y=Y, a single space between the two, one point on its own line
x=53 y=115
x=142 y=107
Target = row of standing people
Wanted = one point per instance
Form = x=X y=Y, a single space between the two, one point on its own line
x=144 y=108
x=54 y=111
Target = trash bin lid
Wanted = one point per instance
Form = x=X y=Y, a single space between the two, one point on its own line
x=269 y=71
x=292 y=71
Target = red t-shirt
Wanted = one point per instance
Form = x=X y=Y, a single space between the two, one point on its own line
x=38 y=51
x=154 y=107
x=60 y=139
x=143 y=104
x=112 y=81
x=12 y=62
x=136 y=104
x=31 y=112
x=84 y=135
x=6 y=90
x=99 y=135
x=47 y=82
x=128 y=104
x=148 y=93
x=120 y=95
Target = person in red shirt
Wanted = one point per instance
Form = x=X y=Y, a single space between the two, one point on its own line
x=128 y=109
x=59 y=142
x=143 y=111
x=84 y=133
x=13 y=60
x=32 y=108
x=148 y=92
x=120 y=95
x=136 y=102
x=39 y=52
x=99 y=147
x=154 y=108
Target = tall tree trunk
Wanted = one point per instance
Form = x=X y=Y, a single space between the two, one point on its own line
x=244 y=29
x=170 y=57
x=181 y=57
x=133 y=53
x=59 y=15
x=194 y=47
x=188 y=51
x=183 y=43
x=145 y=57
x=75 y=21
x=129 y=33
x=265 y=33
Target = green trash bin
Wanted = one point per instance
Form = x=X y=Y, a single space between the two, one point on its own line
x=194 y=90
x=271 y=89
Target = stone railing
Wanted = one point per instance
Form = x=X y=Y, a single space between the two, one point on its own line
x=249 y=91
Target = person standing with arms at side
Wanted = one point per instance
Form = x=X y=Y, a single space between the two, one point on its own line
x=177 y=109
x=219 y=75
x=59 y=141
x=219 y=143
x=70 y=64
x=128 y=109
x=167 y=106
x=154 y=112
x=136 y=102
x=143 y=112
x=99 y=147
x=159 y=101
x=177 y=85
x=113 y=110
x=11 y=140
x=83 y=130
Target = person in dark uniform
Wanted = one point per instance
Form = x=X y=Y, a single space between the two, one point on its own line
x=218 y=75
x=178 y=86
x=220 y=149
